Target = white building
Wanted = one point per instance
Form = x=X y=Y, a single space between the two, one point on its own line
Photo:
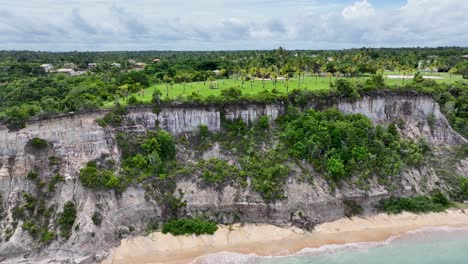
x=139 y=66
x=70 y=65
x=66 y=71
x=47 y=67
x=92 y=66
x=116 y=65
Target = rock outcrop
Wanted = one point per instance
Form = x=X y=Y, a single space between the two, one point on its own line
x=77 y=139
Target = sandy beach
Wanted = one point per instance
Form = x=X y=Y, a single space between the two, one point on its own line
x=271 y=240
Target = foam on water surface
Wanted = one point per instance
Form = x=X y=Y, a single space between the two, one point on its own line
x=442 y=245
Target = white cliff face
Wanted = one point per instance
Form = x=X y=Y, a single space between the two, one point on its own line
x=251 y=113
x=75 y=140
x=78 y=139
x=177 y=119
x=187 y=119
x=420 y=116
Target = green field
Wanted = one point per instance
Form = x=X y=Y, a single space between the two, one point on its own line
x=309 y=83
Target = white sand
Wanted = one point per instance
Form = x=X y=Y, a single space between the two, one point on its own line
x=272 y=240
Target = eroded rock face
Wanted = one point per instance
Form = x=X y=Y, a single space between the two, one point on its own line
x=78 y=139
x=415 y=115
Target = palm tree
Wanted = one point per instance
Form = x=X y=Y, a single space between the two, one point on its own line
x=263 y=72
x=253 y=74
x=242 y=74
x=274 y=75
x=298 y=73
x=452 y=71
x=167 y=80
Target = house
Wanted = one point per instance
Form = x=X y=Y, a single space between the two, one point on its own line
x=65 y=71
x=77 y=73
x=140 y=65
x=465 y=57
x=156 y=60
x=92 y=66
x=427 y=66
x=116 y=65
x=217 y=72
x=47 y=67
x=70 y=65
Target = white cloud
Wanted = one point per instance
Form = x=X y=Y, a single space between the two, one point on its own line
x=229 y=24
x=358 y=10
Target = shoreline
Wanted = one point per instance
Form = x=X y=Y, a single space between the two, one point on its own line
x=268 y=240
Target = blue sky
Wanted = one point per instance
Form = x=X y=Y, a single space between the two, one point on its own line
x=62 y=25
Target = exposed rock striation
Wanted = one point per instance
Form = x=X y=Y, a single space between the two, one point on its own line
x=77 y=139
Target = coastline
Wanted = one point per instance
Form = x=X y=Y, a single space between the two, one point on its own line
x=263 y=239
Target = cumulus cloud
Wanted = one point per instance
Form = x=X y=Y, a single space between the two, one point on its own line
x=81 y=24
x=128 y=21
x=358 y=10
x=177 y=24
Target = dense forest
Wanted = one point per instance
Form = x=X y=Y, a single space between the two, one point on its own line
x=102 y=79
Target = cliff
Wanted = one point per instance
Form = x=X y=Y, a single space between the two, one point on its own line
x=76 y=139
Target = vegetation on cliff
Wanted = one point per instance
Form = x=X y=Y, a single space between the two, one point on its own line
x=415 y=204
x=342 y=146
x=185 y=226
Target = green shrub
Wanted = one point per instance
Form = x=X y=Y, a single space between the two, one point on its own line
x=132 y=100
x=146 y=156
x=186 y=226
x=263 y=122
x=47 y=236
x=94 y=177
x=54 y=161
x=114 y=118
x=267 y=173
x=32 y=175
x=203 y=132
x=416 y=204
x=352 y=208
x=39 y=143
x=97 y=218
x=342 y=146
x=67 y=219
x=216 y=171
x=53 y=182
x=31 y=228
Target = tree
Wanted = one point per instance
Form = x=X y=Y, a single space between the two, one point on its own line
x=452 y=71
x=418 y=78
x=167 y=80
x=462 y=68
x=157 y=97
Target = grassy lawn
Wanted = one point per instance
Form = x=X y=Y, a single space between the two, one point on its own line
x=310 y=83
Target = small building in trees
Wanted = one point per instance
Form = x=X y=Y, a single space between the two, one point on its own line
x=92 y=66
x=116 y=65
x=70 y=65
x=139 y=66
x=47 y=67
x=156 y=60
x=66 y=71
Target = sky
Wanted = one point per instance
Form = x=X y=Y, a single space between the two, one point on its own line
x=99 y=25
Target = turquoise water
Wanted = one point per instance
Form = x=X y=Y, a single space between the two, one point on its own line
x=426 y=246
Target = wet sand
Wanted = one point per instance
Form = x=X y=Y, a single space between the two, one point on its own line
x=265 y=240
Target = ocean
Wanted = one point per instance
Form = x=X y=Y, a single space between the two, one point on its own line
x=425 y=246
